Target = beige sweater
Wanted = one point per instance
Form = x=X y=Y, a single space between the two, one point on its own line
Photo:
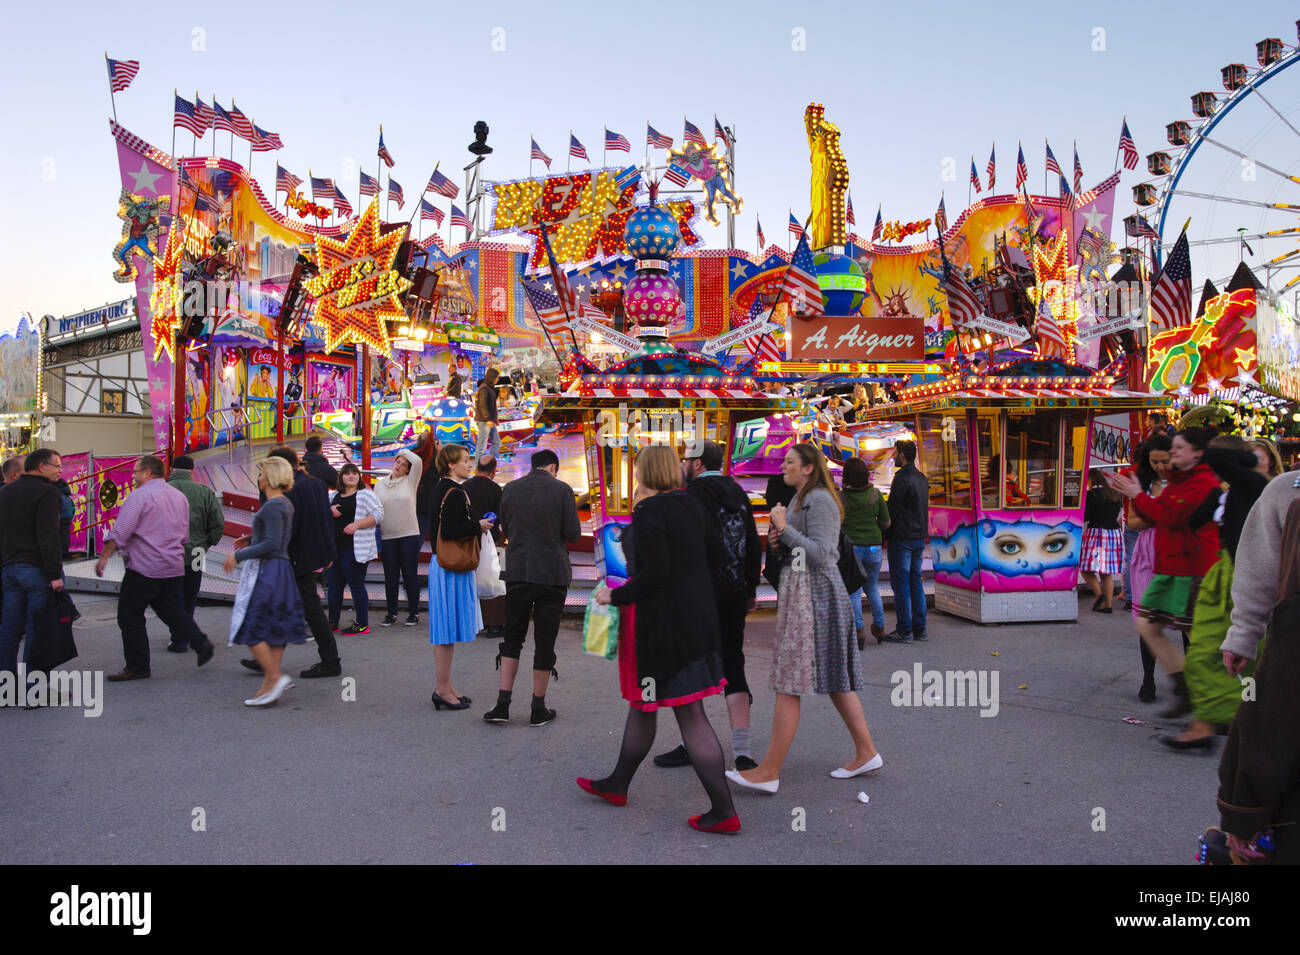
x=397 y=495
x=1254 y=577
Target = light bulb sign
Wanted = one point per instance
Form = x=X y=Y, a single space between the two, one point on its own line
x=583 y=213
x=854 y=338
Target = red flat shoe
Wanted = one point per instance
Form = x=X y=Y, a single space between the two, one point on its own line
x=614 y=800
x=730 y=826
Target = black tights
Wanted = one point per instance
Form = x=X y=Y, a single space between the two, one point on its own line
x=701 y=742
x=1149 y=660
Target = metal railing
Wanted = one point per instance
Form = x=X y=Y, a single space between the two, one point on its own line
x=232 y=420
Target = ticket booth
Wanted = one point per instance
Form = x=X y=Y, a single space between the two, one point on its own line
x=1006 y=456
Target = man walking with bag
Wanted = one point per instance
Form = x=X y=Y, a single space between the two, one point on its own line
x=735 y=583
x=538 y=515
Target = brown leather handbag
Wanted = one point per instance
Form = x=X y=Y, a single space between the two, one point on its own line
x=457 y=556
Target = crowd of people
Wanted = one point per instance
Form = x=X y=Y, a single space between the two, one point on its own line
x=1170 y=528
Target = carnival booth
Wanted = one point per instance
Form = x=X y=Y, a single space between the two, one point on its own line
x=1006 y=456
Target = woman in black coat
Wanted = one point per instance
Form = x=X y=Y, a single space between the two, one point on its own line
x=672 y=657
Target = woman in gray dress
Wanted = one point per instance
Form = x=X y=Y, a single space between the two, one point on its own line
x=268 y=612
x=816 y=651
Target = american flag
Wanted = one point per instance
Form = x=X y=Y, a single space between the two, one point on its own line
x=204 y=113
x=121 y=73
x=615 y=142
x=991 y=170
x=794 y=227
x=720 y=133
x=285 y=180
x=322 y=190
x=762 y=242
x=761 y=347
x=459 y=218
x=848 y=215
x=1052 y=164
x=677 y=175
x=1078 y=171
x=442 y=185
x=1128 y=147
x=1051 y=340
x=657 y=139
x=265 y=142
x=878 y=229
x=691 y=133
x=242 y=124
x=395 y=193
x=1089 y=240
x=341 y=204
x=221 y=119
x=974 y=176
x=1171 y=299
x=941 y=218
x=369 y=185
x=801 y=281
x=383 y=153
x=538 y=154
x=1065 y=190
x=429 y=211
x=963 y=306
x=186 y=117
x=547 y=306
x=1022 y=171
x=576 y=149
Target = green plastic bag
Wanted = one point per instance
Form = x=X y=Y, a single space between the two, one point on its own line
x=600 y=630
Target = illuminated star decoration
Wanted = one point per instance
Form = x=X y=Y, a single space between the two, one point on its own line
x=141 y=214
x=357 y=290
x=1051 y=263
x=165 y=298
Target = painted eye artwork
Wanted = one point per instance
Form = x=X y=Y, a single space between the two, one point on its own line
x=1027 y=547
x=955 y=554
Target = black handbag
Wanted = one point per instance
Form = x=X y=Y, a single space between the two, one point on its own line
x=851 y=570
x=53 y=645
x=777 y=558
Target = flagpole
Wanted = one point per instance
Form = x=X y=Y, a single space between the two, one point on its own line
x=568 y=160
x=422 y=195
x=602 y=146
x=781 y=291
x=969 y=178
x=1124 y=122
x=194 y=135
x=174 y=95
x=250 y=148
x=112 y=98
x=531 y=139
x=214 y=123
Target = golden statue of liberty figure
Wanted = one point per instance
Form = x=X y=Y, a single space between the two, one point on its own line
x=830 y=179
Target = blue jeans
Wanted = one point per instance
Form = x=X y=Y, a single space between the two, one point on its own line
x=489 y=439
x=26 y=589
x=1130 y=541
x=401 y=557
x=905 y=558
x=871 y=558
x=346 y=570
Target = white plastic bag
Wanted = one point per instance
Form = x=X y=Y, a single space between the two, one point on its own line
x=488 y=575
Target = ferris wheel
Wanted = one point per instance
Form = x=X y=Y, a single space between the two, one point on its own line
x=1233 y=172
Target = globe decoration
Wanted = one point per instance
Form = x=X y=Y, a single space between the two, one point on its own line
x=651 y=233
x=652 y=301
x=842 y=281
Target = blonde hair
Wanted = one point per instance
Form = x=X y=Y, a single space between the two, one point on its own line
x=1270 y=450
x=820 y=478
x=278 y=473
x=448 y=455
x=658 y=468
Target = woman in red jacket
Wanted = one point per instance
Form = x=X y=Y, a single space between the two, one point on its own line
x=1183 y=553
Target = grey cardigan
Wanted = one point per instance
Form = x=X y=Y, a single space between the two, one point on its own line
x=272 y=528
x=815 y=526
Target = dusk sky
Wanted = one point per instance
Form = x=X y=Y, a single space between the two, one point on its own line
x=908 y=84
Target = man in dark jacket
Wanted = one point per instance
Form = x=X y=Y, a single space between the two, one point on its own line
x=311 y=550
x=207 y=525
x=317 y=465
x=485 y=414
x=735 y=582
x=485 y=498
x=909 y=514
x=538 y=515
x=29 y=550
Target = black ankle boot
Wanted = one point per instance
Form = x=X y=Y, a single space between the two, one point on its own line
x=540 y=715
x=501 y=712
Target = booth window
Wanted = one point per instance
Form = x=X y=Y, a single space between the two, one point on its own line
x=1075 y=426
x=945 y=458
x=988 y=435
x=1033 y=459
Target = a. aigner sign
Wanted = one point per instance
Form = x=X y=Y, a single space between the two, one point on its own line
x=854 y=338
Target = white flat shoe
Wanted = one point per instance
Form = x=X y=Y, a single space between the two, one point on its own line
x=277 y=691
x=739 y=780
x=871 y=765
x=259 y=700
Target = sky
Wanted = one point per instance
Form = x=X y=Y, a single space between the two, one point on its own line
x=916 y=89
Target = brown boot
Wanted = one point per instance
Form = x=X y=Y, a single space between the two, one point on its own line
x=878 y=632
x=862 y=638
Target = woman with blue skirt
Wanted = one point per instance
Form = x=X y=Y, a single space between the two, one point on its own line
x=454 y=615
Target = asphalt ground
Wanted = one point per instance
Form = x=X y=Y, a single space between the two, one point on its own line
x=176 y=770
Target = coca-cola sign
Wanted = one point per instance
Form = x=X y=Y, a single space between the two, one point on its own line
x=266 y=356
x=854 y=338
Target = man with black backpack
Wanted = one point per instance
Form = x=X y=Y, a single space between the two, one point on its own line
x=734 y=585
